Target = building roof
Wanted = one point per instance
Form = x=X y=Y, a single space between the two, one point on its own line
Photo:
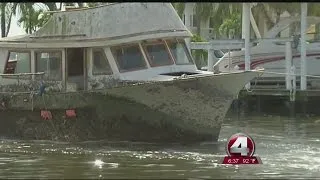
x=110 y=22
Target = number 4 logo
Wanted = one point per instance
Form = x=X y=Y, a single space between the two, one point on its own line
x=240 y=146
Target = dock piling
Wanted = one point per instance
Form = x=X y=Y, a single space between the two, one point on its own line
x=288 y=65
x=210 y=59
x=304 y=10
x=246 y=36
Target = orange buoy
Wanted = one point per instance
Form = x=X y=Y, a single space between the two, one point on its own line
x=71 y=113
x=46 y=115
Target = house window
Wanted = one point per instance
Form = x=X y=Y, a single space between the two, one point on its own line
x=180 y=52
x=100 y=63
x=129 y=57
x=157 y=53
x=18 y=62
x=50 y=63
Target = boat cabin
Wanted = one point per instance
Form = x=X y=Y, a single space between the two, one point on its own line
x=97 y=47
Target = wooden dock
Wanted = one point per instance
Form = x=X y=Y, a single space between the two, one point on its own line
x=276 y=86
x=279 y=92
x=271 y=96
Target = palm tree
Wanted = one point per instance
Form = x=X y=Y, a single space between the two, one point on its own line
x=7 y=10
x=203 y=12
x=30 y=17
x=227 y=19
x=231 y=25
x=3 y=19
x=220 y=12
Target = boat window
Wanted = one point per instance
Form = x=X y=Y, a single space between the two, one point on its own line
x=128 y=58
x=18 y=62
x=157 y=54
x=50 y=63
x=180 y=52
x=100 y=63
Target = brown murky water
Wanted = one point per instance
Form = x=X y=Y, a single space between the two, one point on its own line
x=288 y=148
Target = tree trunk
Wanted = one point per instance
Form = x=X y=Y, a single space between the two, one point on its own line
x=3 y=19
x=278 y=17
x=9 y=24
x=30 y=27
x=198 y=25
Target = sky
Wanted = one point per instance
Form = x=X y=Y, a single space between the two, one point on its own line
x=17 y=30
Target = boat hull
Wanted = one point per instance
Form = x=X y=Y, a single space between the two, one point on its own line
x=184 y=110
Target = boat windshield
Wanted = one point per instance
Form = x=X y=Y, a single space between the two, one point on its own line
x=157 y=54
x=180 y=52
x=128 y=58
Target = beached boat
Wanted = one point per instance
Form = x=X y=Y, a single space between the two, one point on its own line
x=115 y=72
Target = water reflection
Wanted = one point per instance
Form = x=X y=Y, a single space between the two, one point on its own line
x=98 y=163
x=288 y=148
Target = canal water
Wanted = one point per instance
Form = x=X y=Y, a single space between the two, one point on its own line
x=288 y=148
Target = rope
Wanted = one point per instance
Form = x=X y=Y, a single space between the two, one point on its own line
x=255 y=83
x=248 y=89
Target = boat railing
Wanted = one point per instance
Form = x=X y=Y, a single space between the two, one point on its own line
x=22 y=74
x=29 y=82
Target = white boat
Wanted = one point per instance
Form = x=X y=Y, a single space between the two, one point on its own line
x=271 y=56
x=115 y=72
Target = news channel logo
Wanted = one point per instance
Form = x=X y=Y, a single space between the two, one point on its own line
x=240 y=149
